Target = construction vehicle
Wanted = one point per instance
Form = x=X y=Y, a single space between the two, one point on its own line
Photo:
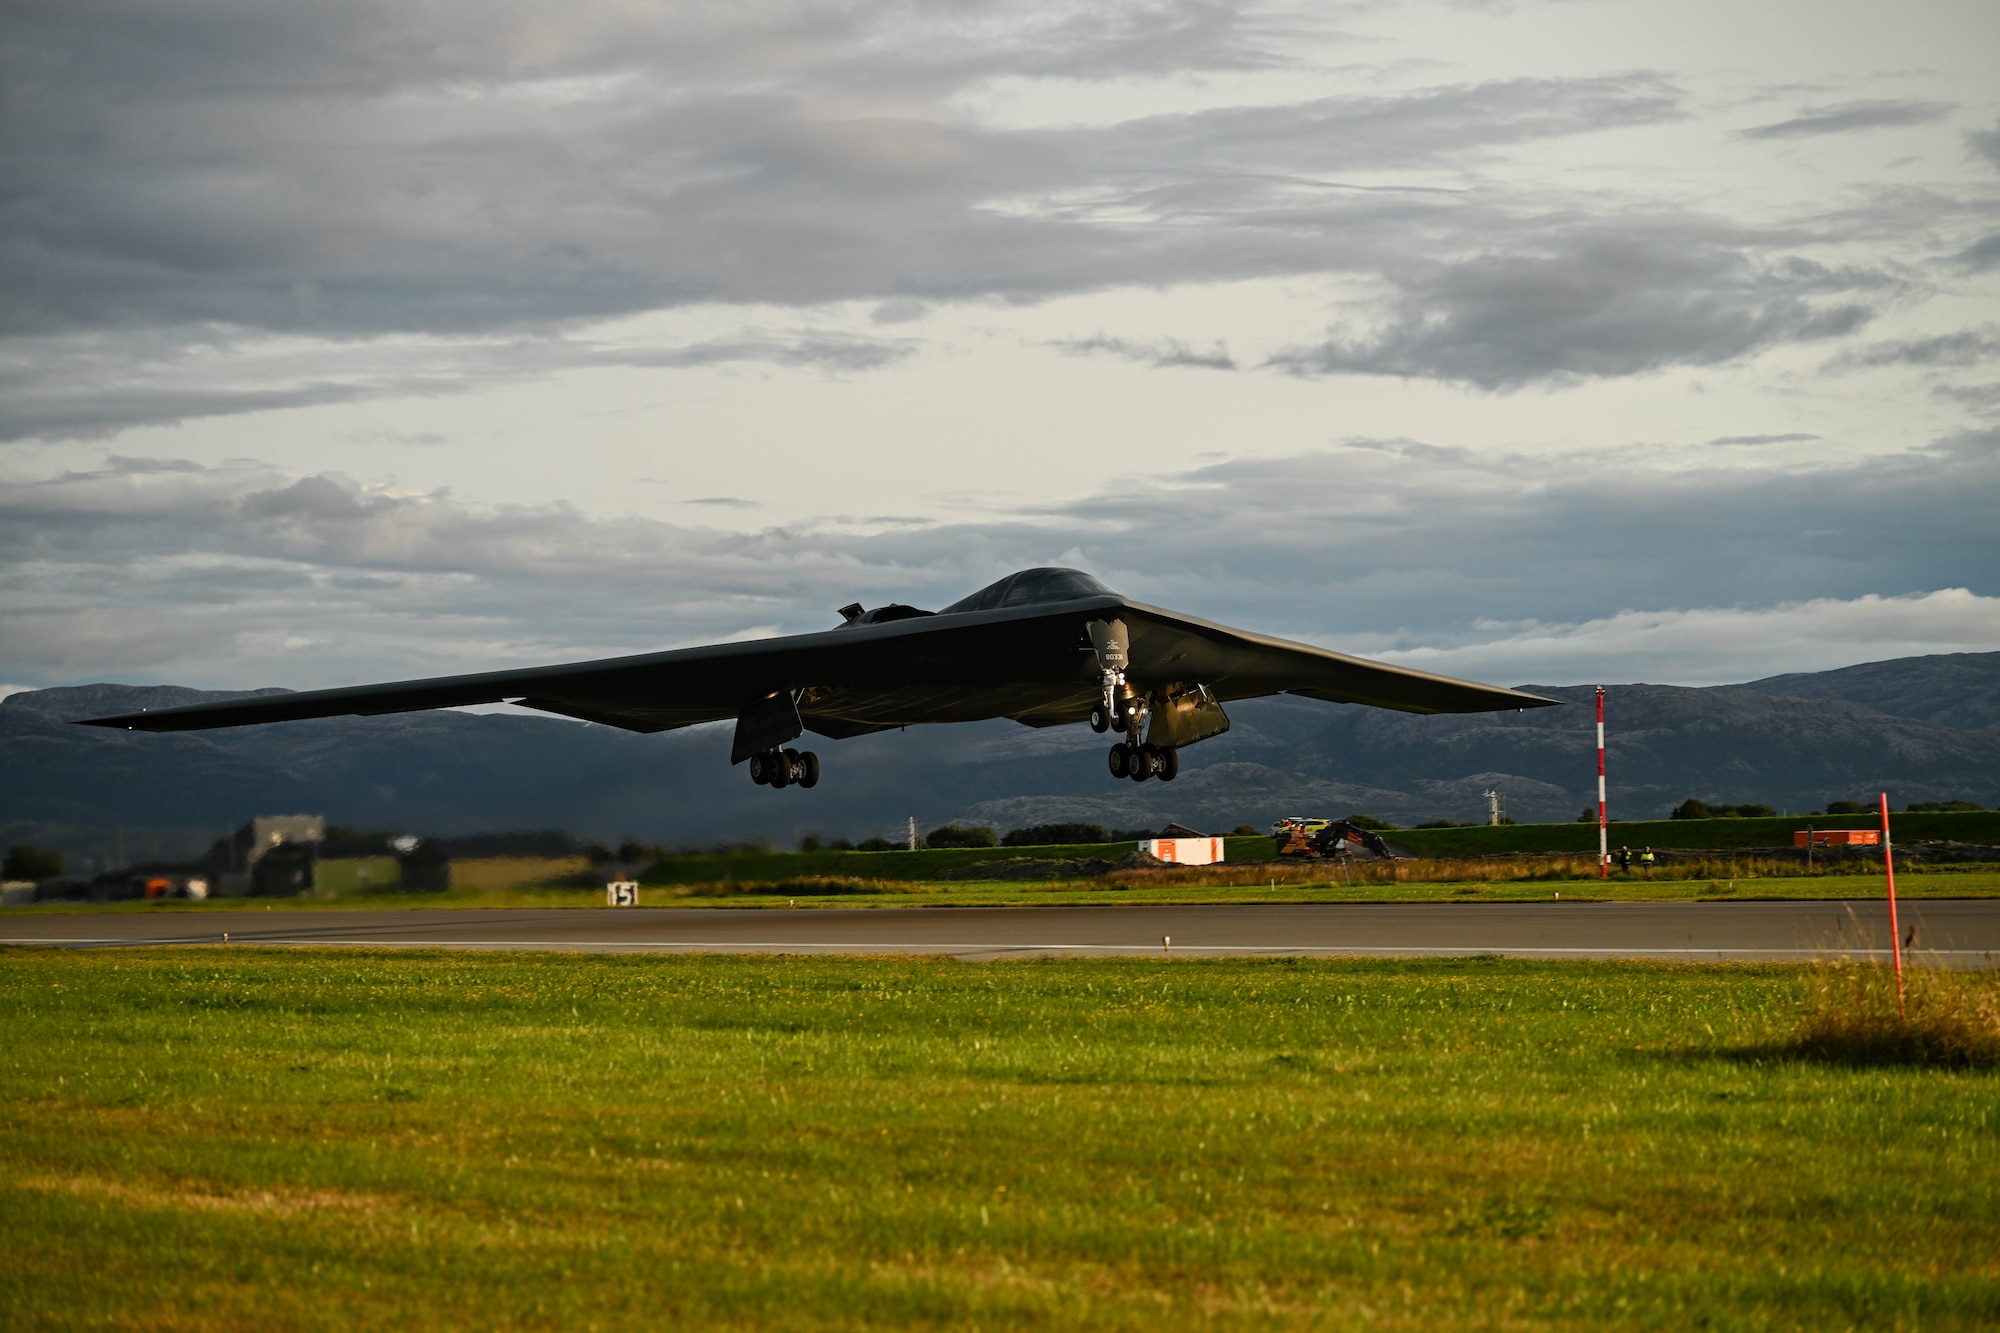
x=1318 y=839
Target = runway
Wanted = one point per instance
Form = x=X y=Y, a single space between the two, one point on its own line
x=1962 y=933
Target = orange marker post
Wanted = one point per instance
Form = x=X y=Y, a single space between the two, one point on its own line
x=1895 y=931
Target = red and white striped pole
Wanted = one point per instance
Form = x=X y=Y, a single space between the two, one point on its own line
x=1603 y=825
x=1895 y=931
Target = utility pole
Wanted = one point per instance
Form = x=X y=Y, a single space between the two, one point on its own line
x=1493 y=807
x=1603 y=823
x=913 y=833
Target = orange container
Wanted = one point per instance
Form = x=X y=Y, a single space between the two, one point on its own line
x=1839 y=837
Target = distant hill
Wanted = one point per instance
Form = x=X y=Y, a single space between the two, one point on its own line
x=1949 y=690
x=122 y=796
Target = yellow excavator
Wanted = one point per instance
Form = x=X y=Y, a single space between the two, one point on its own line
x=1317 y=839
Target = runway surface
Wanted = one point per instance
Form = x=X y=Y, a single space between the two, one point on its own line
x=1953 y=933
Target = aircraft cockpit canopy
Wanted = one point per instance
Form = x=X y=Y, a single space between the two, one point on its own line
x=1032 y=586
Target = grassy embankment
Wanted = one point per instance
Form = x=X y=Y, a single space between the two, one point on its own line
x=201 y=1139
x=1980 y=826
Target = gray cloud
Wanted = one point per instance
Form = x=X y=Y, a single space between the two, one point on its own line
x=1986 y=143
x=196 y=176
x=1967 y=347
x=1982 y=254
x=1161 y=354
x=1599 y=299
x=1847 y=117
x=1790 y=437
x=337 y=213
x=1351 y=133
x=101 y=384
x=1978 y=397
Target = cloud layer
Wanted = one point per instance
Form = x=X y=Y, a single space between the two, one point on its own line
x=187 y=179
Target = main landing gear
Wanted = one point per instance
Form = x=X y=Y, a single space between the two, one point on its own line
x=784 y=768
x=1139 y=762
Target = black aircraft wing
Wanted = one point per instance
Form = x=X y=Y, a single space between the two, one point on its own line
x=1030 y=658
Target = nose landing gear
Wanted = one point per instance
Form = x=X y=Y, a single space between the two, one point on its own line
x=785 y=768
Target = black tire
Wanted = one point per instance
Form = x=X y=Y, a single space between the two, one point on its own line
x=1121 y=760
x=780 y=769
x=810 y=763
x=1100 y=721
x=759 y=771
x=1145 y=762
x=1168 y=767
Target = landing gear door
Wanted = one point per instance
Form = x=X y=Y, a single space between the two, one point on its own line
x=1111 y=642
x=1185 y=717
x=766 y=725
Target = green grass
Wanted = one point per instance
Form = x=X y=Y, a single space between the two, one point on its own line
x=208 y=1139
x=1981 y=827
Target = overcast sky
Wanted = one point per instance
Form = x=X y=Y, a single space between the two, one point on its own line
x=1599 y=340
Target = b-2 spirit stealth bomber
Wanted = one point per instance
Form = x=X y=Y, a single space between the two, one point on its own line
x=1045 y=647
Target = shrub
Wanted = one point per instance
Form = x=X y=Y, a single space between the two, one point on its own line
x=878 y=843
x=1437 y=823
x=1940 y=807
x=956 y=835
x=1369 y=822
x=425 y=868
x=1587 y=816
x=1055 y=835
x=1130 y=835
x=810 y=843
x=1245 y=831
x=1694 y=809
x=1849 y=808
x=29 y=862
x=1953 y=1018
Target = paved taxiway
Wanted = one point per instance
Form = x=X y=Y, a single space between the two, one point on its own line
x=1957 y=933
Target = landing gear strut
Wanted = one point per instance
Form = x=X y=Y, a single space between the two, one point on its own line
x=784 y=768
x=1127 y=711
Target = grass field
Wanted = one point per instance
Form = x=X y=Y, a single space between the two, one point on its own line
x=207 y=1139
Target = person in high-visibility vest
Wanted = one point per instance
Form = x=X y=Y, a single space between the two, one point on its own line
x=1646 y=858
x=1624 y=860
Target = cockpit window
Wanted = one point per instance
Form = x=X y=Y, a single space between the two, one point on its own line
x=984 y=600
x=1032 y=586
